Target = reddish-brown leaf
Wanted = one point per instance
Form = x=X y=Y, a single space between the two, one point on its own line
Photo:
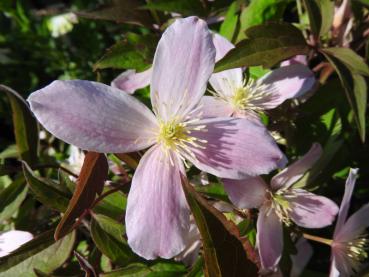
x=89 y=183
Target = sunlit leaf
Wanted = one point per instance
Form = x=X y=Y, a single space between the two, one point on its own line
x=89 y=184
x=266 y=45
x=25 y=126
x=229 y=25
x=224 y=253
x=41 y=253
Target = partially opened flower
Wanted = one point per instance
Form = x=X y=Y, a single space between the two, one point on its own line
x=11 y=240
x=99 y=118
x=280 y=203
x=234 y=96
x=350 y=244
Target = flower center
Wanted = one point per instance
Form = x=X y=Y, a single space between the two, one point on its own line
x=280 y=203
x=240 y=98
x=357 y=249
x=172 y=133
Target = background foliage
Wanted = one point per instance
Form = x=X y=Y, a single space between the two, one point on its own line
x=36 y=191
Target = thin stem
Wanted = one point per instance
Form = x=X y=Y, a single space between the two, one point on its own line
x=318 y=239
x=40 y=166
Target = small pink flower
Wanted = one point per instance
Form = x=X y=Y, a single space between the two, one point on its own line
x=233 y=96
x=280 y=203
x=350 y=245
x=100 y=118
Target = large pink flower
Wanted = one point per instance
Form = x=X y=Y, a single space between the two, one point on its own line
x=97 y=117
x=349 y=243
x=280 y=203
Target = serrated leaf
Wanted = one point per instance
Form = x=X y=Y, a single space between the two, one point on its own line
x=42 y=253
x=108 y=237
x=89 y=184
x=120 y=11
x=46 y=194
x=259 y=12
x=25 y=126
x=352 y=60
x=266 y=45
x=224 y=253
x=229 y=25
x=11 y=198
x=134 y=52
x=355 y=88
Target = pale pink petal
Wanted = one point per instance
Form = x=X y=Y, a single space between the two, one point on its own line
x=340 y=265
x=284 y=83
x=247 y=193
x=130 y=81
x=190 y=254
x=309 y=210
x=302 y=257
x=298 y=59
x=269 y=238
x=296 y=170
x=183 y=63
x=214 y=107
x=11 y=240
x=355 y=225
x=235 y=148
x=157 y=216
x=94 y=116
x=345 y=204
x=225 y=82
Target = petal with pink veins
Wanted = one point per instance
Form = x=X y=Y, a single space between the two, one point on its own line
x=183 y=63
x=214 y=107
x=157 y=216
x=247 y=193
x=290 y=175
x=269 y=238
x=225 y=82
x=284 y=83
x=94 y=116
x=130 y=81
x=309 y=210
x=235 y=148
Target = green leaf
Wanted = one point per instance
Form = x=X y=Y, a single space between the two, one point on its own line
x=113 y=205
x=120 y=11
x=108 y=237
x=11 y=198
x=320 y=14
x=229 y=25
x=90 y=183
x=214 y=190
x=46 y=194
x=260 y=11
x=41 y=253
x=327 y=13
x=355 y=88
x=224 y=253
x=25 y=126
x=10 y=152
x=135 y=52
x=266 y=45
x=188 y=7
x=85 y=265
x=352 y=60
x=132 y=270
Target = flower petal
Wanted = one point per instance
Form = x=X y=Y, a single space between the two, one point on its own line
x=284 y=83
x=269 y=238
x=302 y=257
x=94 y=116
x=11 y=240
x=236 y=148
x=157 y=216
x=183 y=63
x=345 y=204
x=298 y=59
x=309 y=210
x=214 y=107
x=225 y=82
x=295 y=171
x=130 y=81
x=247 y=193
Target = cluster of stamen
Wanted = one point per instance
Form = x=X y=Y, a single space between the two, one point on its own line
x=357 y=250
x=281 y=205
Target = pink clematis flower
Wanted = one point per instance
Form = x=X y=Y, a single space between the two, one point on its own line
x=280 y=203
x=349 y=243
x=97 y=117
x=233 y=96
x=11 y=240
x=130 y=81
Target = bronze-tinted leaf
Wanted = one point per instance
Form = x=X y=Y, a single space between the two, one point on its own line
x=90 y=182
